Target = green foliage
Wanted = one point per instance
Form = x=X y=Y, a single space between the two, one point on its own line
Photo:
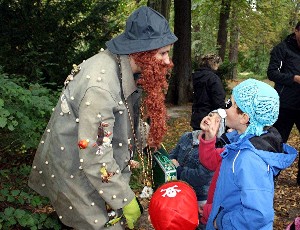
x=21 y=207
x=225 y=73
x=41 y=40
x=255 y=61
x=24 y=113
x=204 y=27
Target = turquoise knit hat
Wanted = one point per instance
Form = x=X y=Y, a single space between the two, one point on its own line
x=260 y=101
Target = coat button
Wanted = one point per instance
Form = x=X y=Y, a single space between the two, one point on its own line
x=114 y=196
x=101 y=192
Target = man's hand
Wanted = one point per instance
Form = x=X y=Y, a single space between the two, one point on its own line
x=175 y=162
x=132 y=212
x=297 y=79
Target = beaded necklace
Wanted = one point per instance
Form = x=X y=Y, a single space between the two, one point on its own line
x=146 y=166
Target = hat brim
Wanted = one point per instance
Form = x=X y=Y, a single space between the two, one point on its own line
x=122 y=45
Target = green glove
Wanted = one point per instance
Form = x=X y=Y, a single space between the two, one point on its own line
x=132 y=212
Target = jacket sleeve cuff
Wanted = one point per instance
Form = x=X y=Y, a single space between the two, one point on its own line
x=202 y=140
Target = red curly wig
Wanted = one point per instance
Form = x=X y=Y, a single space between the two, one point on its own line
x=154 y=83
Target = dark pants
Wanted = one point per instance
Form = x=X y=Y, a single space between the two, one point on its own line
x=287 y=118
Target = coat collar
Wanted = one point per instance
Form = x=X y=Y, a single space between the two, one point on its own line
x=128 y=82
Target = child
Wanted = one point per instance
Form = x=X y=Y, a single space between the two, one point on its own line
x=244 y=193
x=185 y=157
x=173 y=206
x=209 y=156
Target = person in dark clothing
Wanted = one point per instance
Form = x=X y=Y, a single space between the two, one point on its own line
x=209 y=93
x=284 y=70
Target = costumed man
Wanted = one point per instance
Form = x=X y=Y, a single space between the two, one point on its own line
x=83 y=161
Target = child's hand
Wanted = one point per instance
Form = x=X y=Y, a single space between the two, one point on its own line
x=175 y=162
x=210 y=126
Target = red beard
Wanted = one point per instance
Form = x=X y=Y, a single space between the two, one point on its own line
x=154 y=83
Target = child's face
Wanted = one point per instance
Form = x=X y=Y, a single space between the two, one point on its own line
x=234 y=119
x=211 y=119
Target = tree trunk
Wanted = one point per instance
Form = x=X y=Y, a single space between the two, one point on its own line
x=162 y=6
x=223 y=23
x=234 y=44
x=179 y=90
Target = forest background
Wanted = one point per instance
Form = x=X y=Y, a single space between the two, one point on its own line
x=41 y=40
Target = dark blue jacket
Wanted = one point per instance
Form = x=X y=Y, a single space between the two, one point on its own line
x=190 y=169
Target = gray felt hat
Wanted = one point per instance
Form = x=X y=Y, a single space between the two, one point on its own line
x=146 y=29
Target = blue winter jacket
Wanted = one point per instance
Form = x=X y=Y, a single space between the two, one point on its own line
x=190 y=169
x=244 y=193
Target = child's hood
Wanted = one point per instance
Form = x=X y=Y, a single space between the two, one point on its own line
x=270 y=148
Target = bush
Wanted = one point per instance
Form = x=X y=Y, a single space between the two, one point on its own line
x=24 y=113
x=21 y=207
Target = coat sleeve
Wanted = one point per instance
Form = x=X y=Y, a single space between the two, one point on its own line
x=209 y=156
x=98 y=105
x=256 y=196
x=277 y=61
x=199 y=176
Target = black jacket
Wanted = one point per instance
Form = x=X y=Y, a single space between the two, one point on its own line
x=284 y=64
x=209 y=94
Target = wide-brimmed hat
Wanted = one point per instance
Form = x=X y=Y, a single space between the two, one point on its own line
x=174 y=206
x=260 y=101
x=146 y=29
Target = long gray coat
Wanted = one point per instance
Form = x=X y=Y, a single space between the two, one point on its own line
x=71 y=176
